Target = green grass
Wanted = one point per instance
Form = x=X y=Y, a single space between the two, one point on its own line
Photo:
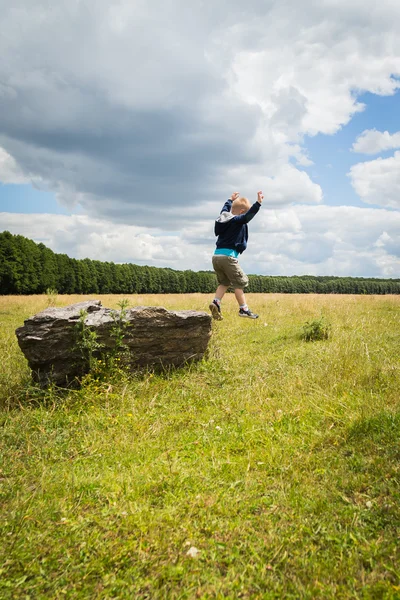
x=278 y=459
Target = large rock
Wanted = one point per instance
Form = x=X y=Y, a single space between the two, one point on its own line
x=154 y=337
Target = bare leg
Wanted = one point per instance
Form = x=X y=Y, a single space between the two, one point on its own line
x=220 y=293
x=240 y=297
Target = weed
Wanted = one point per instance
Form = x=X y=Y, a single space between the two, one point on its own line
x=318 y=329
x=86 y=340
x=52 y=295
x=118 y=332
x=101 y=361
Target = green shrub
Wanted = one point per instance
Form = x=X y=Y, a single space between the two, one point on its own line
x=319 y=329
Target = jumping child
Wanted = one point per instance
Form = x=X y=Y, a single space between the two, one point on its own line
x=232 y=231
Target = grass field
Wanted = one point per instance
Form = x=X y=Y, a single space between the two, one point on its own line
x=269 y=470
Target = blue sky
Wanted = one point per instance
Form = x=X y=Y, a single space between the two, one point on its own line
x=25 y=199
x=107 y=155
x=332 y=154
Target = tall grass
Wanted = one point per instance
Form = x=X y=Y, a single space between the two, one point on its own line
x=268 y=470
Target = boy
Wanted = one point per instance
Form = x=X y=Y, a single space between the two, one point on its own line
x=232 y=231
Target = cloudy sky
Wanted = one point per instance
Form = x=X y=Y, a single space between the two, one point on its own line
x=125 y=125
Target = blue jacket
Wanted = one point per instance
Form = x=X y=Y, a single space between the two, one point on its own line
x=232 y=231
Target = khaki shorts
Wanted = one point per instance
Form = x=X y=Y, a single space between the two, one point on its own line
x=229 y=272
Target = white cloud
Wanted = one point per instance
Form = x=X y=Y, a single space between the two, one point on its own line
x=306 y=63
x=297 y=240
x=372 y=141
x=325 y=240
x=378 y=181
x=163 y=102
x=291 y=185
x=10 y=172
x=80 y=236
x=166 y=108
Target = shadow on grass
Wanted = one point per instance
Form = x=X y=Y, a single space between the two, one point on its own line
x=93 y=387
x=28 y=394
x=382 y=429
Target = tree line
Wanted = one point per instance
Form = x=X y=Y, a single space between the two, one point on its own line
x=30 y=268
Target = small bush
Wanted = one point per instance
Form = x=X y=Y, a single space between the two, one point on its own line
x=52 y=295
x=319 y=329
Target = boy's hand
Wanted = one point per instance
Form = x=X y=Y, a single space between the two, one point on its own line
x=260 y=197
x=235 y=196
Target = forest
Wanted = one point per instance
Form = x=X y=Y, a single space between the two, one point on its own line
x=30 y=268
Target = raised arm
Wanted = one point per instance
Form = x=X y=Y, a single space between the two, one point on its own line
x=228 y=204
x=253 y=210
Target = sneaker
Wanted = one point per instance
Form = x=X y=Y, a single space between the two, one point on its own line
x=247 y=313
x=216 y=311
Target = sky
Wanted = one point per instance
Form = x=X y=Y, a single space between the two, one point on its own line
x=126 y=124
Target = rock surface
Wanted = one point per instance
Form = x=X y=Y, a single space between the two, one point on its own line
x=154 y=337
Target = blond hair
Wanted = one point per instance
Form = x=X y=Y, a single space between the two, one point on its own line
x=240 y=204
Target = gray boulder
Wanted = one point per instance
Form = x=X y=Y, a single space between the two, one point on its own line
x=153 y=337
